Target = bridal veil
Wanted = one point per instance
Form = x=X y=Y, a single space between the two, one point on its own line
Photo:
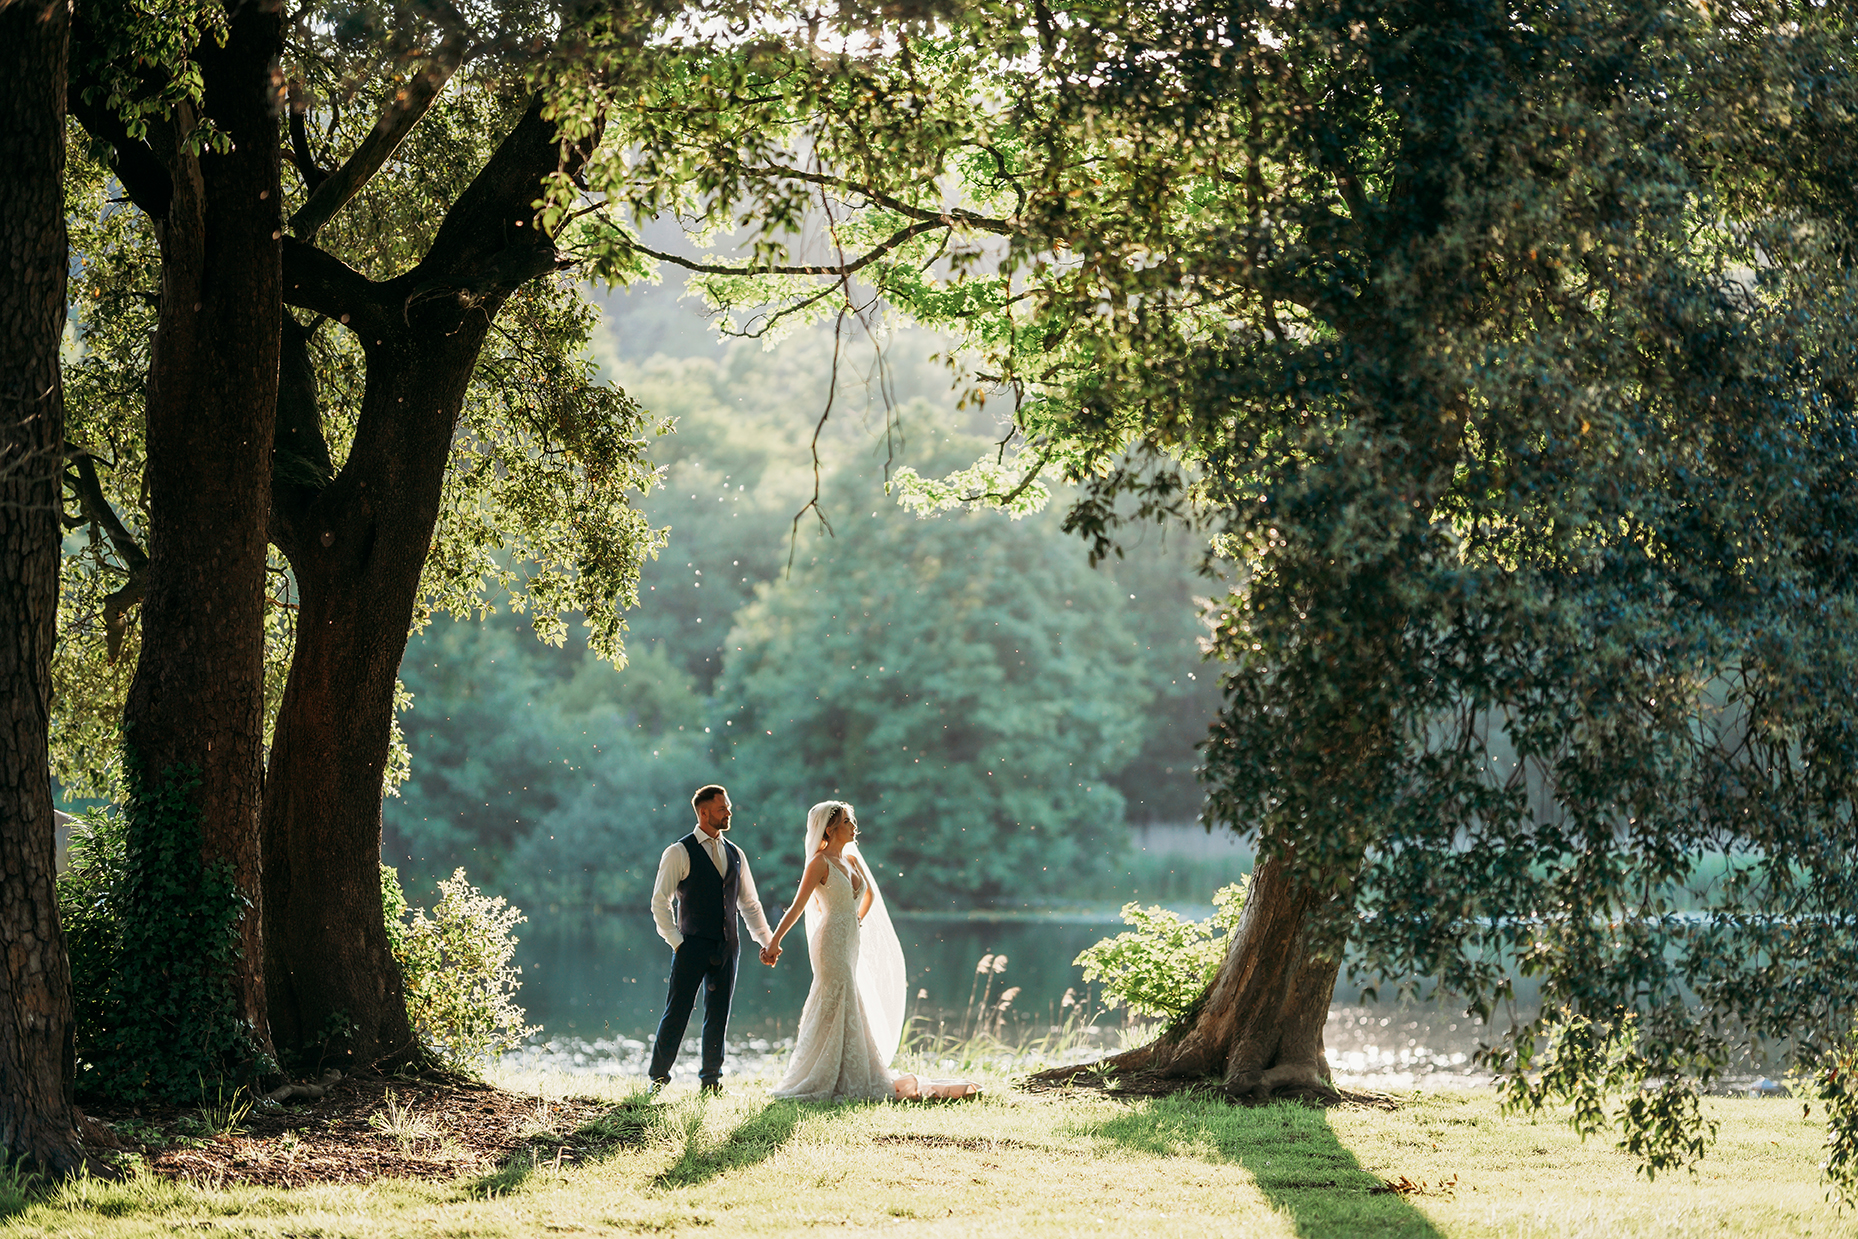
x=882 y=983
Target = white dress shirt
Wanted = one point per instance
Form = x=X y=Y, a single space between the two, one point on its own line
x=674 y=867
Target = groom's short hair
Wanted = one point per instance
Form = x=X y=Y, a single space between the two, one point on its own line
x=708 y=792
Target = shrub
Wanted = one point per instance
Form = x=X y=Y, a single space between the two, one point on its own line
x=1165 y=965
x=90 y=906
x=1835 y=1083
x=456 y=965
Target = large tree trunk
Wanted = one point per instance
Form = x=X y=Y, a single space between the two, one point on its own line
x=1258 y=1032
x=196 y=705
x=37 y=1123
x=358 y=547
x=357 y=551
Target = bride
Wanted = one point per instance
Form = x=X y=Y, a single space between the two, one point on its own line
x=853 y=1018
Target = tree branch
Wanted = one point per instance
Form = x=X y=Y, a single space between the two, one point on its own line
x=317 y=280
x=841 y=271
x=144 y=178
x=490 y=234
x=769 y=320
x=89 y=490
x=1352 y=195
x=496 y=275
x=301 y=154
x=1025 y=484
x=397 y=120
x=135 y=562
x=877 y=197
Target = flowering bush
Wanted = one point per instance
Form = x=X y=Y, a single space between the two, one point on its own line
x=1163 y=967
x=456 y=965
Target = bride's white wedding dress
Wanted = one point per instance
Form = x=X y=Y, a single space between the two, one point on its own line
x=853 y=1017
x=837 y=1055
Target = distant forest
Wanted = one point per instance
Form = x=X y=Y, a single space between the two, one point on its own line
x=999 y=711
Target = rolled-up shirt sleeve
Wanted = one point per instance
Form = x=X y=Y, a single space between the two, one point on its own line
x=673 y=868
x=748 y=903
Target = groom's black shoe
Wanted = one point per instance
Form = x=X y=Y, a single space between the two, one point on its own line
x=712 y=1090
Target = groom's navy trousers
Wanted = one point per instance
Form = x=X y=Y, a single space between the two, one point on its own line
x=709 y=964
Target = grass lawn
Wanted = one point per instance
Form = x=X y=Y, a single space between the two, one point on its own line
x=1016 y=1164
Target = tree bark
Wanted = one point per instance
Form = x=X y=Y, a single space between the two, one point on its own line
x=37 y=1122
x=197 y=699
x=358 y=547
x=1258 y=1032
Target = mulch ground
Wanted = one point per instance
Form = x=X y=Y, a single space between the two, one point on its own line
x=442 y=1130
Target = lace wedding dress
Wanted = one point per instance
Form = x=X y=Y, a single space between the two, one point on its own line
x=853 y=1017
x=838 y=1055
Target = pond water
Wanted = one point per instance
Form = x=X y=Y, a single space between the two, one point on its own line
x=607 y=978
x=598 y=988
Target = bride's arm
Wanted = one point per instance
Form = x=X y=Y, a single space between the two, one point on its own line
x=864 y=903
x=809 y=881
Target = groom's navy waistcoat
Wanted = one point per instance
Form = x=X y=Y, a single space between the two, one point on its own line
x=706 y=899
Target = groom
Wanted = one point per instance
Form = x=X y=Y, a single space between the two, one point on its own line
x=710 y=879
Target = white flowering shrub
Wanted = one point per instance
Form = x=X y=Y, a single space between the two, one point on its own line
x=455 y=960
x=1163 y=967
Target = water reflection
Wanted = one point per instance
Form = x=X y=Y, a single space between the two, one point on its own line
x=607 y=978
x=1422 y=1045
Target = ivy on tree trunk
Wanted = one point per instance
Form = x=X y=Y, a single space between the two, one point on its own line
x=208 y=177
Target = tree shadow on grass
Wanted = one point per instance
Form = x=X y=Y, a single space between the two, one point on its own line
x=1292 y=1154
x=755 y=1139
x=629 y=1123
x=638 y=1120
x=506 y=1178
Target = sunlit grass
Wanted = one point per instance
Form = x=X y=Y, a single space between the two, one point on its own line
x=1010 y=1163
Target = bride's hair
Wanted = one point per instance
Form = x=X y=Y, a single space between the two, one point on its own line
x=821 y=818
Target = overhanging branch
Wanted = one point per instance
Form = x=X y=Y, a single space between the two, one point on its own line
x=839 y=271
x=397 y=120
x=877 y=197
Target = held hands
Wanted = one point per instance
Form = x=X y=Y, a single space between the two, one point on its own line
x=770 y=954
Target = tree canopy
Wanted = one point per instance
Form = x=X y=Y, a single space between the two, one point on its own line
x=535 y=509
x=1503 y=351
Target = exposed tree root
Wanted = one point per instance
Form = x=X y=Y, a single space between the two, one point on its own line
x=308 y=1092
x=1106 y=1078
x=95 y=1134
x=1256 y=1035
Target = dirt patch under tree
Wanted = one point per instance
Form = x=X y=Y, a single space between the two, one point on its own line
x=367 y=1128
